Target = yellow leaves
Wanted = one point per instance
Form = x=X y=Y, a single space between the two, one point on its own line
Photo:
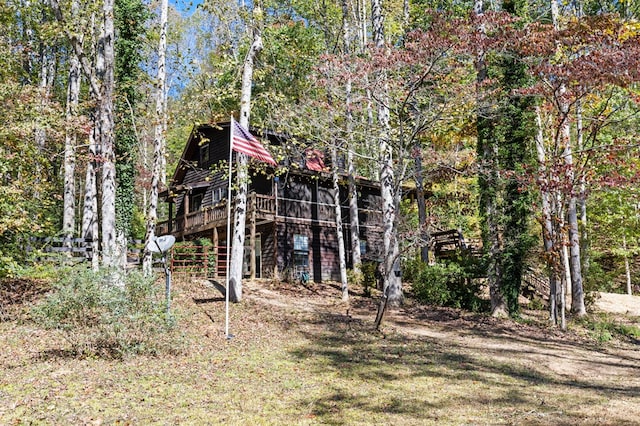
x=629 y=29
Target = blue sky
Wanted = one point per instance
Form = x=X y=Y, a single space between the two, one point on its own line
x=186 y=7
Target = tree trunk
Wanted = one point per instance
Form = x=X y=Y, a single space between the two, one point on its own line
x=577 y=292
x=392 y=287
x=90 y=205
x=158 y=140
x=339 y=231
x=422 y=206
x=73 y=96
x=488 y=180
x=106 y=63
x=240 y=212
x=627 y=269
x=582 y=196
x=356 y=255
x=547 y=223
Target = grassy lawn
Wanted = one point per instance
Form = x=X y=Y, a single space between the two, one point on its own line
x=300 y=357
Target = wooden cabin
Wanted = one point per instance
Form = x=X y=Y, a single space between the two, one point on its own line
x=290 y=222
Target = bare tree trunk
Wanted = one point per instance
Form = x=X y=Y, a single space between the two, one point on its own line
x=73 y=96
x=339 y=231
x=106 y=55
x=240 y=212
x=627 y=269
x=582 y=196
x=392 y=286
x=158 y=139
x=356 y=255
x=90 y=207
x=547 y=223
x=422 y=206
x=577 y=292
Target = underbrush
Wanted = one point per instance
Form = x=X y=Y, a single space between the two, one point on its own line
x=448 y=284
x=603 y=328
x=102 y=314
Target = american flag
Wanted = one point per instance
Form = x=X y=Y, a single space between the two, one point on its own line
x=246 y=143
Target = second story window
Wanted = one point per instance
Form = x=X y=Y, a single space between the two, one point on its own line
x=204 y=154
x=218 y=194
x=195 y=203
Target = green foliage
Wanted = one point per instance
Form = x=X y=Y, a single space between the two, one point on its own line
x=131 y=16
x=603 y=328
x=448 y=284
x=99 y=317
x=367 y=278
x=28 y=176
x=504 y=147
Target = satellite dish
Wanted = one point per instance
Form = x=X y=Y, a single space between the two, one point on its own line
x=162 y=244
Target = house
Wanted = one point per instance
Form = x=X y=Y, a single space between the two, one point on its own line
x=290 y=209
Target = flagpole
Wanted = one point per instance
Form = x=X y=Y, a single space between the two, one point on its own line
x=226 y=293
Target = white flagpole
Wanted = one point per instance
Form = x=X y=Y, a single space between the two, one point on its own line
x=226 y=293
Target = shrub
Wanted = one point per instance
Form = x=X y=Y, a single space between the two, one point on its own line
x=448 y=284
x=99 y=317
x=604 y=328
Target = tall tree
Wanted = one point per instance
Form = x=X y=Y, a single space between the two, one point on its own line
x=506 y=133
x=392 y=288
x=130 y=28
x=159 y=139
x=73 y=99
x=237 y=244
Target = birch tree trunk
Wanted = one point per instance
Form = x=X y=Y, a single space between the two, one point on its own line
x=392 y=287
x=106 y=55
x=582 y=195
x=547 y=223
x=240 y=211
x=73 y=96
x=158 y=140
x=356 y=255
x=339 y=231
x=90 y=205
x=577 y=292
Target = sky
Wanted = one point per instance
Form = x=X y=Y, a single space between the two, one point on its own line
x=186 y=7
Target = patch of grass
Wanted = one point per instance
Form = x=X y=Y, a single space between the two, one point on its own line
x=604 y=328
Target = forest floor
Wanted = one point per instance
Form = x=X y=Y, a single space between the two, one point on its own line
x=300 y=355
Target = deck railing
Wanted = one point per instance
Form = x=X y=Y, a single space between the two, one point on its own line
x=262 y=204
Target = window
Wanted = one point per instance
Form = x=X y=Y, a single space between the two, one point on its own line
x=363 y=247
x=301 y=251
x=218 y=194
x=195 y=203
x=204 y=154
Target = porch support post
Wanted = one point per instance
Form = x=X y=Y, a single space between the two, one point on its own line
x=185 y=212
x=216 y=252
x=170 y=223
x=252 y=236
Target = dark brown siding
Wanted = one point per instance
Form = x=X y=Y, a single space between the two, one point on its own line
x=268 y=249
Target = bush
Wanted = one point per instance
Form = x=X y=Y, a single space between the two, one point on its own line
x=449 y=284
x=99 y=317
x=604 y=328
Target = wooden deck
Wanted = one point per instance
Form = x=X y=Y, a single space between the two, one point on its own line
x=263 y=206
